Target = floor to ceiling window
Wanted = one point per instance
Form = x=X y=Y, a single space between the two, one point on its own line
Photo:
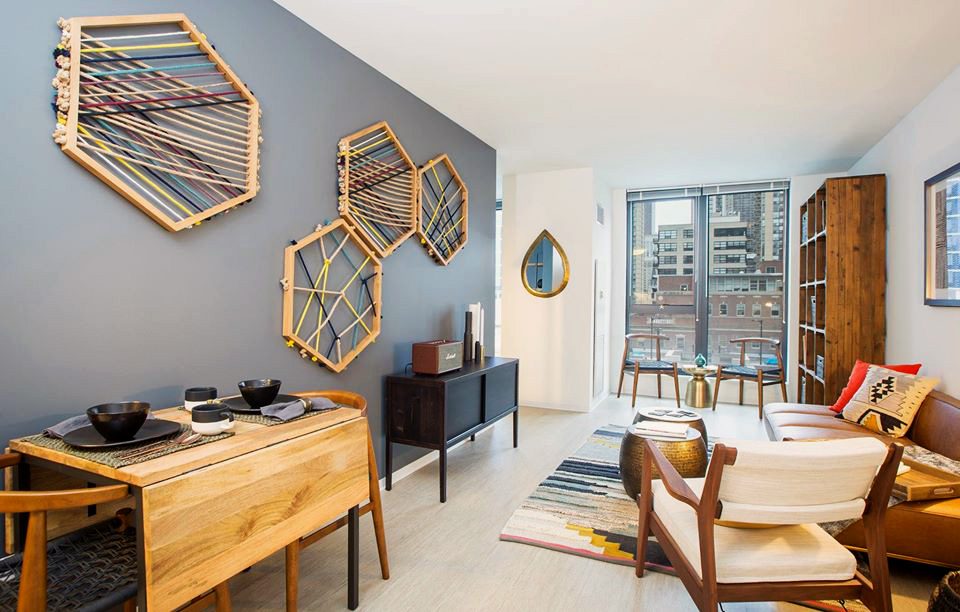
x=498 y=282
x=705 y=266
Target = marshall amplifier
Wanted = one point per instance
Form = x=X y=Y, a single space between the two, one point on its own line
x=437 y=356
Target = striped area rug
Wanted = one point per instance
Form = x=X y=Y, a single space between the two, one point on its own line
x=583 y=510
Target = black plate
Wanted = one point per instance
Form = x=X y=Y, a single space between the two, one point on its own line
x=240 y=406
x=88 y=437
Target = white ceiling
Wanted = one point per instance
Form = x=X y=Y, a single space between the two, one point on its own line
x=659 y=92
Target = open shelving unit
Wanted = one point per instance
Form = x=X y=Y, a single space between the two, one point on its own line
x=842 y=283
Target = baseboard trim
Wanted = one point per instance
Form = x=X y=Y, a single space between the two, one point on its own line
x=417 y=464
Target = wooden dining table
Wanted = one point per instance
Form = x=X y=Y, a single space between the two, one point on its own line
x=206 y=513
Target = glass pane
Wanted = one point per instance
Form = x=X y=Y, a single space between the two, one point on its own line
x=498 y=280
x=661 y=293
x=745 y=274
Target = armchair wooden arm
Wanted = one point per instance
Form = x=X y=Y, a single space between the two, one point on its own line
x=669 y=476
x=9 y=459
x=43 y=501
x=772 y=341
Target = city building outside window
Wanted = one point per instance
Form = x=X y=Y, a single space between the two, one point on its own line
x=738 y=231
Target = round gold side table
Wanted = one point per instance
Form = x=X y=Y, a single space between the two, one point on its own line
x=698 y=394
x=688 y=455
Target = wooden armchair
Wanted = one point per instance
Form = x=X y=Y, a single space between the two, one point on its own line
x=761 y=374
x=708 y=526
x=637 y=366
x=94 y=568
x=77 y=576
x=353 y=400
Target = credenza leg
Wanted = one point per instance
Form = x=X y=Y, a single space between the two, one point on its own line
x=389 y=475
x=516 y=426
x=443 y=474
x=353 y=557
x=473 y=437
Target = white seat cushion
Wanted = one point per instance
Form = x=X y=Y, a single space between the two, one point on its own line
x=776 y=554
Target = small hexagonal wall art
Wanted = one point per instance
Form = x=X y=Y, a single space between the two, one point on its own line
x=378 y=187
x=442 y=209
x=331 y=295
x=148 y=106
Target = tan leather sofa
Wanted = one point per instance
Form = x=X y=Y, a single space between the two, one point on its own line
x=927 y=531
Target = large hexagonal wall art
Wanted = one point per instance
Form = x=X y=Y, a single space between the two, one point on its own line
x=378 y=187
x=331 y=295
x=147 y=105
x=442 y=209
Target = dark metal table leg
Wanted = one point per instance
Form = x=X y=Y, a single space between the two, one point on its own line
x=516 y=426
x=443 y=474
x=353 y=557
x=389 y=465
x=21 y=475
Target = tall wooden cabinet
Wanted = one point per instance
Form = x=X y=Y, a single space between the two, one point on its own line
x=842 y=283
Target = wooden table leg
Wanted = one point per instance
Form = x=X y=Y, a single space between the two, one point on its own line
x=293 y=574
x=353 y=557
x=139 y=525
x=516 y=426
x=443 y=473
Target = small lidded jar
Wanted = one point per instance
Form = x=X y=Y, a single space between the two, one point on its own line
x=198 y=395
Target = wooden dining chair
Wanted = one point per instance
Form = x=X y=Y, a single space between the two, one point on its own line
x=749 y=530
x=94 y=568
x=373 y=506
x=760 y=374
x=637 y=365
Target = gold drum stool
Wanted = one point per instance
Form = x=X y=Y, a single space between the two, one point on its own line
x=688 y=455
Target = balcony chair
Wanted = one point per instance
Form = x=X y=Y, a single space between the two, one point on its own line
x=637 y=366
x=748 y=531
x=761 y=374
x=352 y=400
x=94 y=568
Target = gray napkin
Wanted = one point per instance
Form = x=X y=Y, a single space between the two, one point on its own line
x=73 y=423
x=285 y=411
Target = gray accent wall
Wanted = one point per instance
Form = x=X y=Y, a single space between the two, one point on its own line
x=99 y=303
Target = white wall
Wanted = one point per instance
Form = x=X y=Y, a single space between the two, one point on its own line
x=602 y=254
x=552 y=337
x=924 y=143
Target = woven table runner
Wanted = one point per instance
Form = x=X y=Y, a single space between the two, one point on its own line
x=116 y=457
x=260 y=419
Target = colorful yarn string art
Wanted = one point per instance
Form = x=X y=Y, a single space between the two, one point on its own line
x=442 y=209
x=378 y=187
x=147 y=105
x=331 y=295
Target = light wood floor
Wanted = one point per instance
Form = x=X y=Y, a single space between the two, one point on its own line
x=448 y=556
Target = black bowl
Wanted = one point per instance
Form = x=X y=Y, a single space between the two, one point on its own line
x=118 y=421
x=259 y=393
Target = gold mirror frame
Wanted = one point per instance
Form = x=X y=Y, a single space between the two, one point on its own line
x=563 y=257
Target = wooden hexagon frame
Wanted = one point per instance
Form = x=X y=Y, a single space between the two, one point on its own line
x=334 y=319
x=442 y=209
x=148 y=106
x=378 y=187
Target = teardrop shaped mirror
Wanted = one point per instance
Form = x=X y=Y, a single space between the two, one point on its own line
x=545 y=270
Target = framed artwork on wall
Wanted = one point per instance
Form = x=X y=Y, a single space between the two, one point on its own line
x=942 y=239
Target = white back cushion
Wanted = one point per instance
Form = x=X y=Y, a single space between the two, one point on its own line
x=791 y=483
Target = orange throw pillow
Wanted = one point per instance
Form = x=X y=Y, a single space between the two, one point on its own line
x=859 y=374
